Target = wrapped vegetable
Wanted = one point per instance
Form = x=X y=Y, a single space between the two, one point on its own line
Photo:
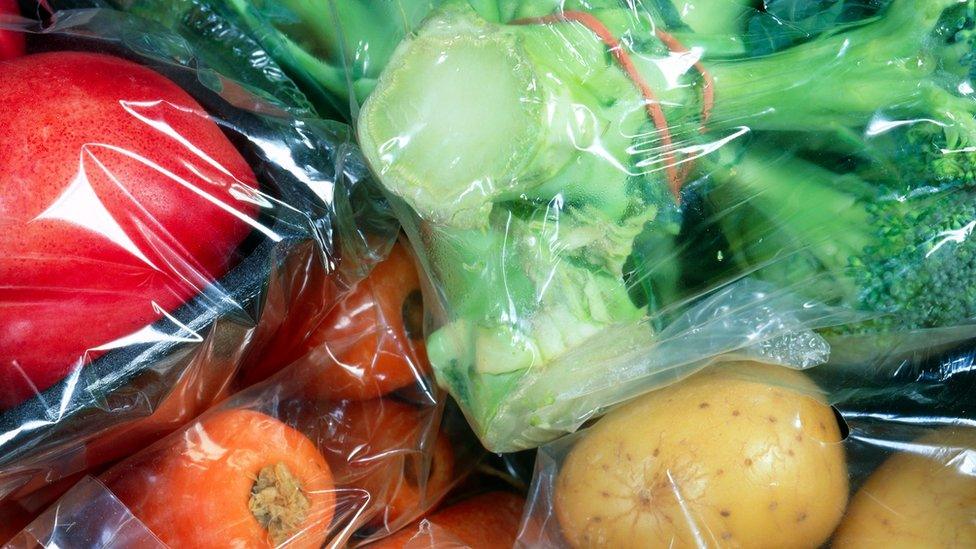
x=282 y=463
x=267 y=484
x=373 y=336
x=644 y=178
x=643 y=181
x=737 y=455
x=270 y=468
x=546 y=227
x=744 y=454
x=488 y=520
x=159 y=223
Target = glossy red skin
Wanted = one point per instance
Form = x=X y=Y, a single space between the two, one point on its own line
x=11 y=42
x=72 y=119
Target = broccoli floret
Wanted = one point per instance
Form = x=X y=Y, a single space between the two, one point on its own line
x=523 y=292
x=906 y=262
x=921 y=157
x=923 y=268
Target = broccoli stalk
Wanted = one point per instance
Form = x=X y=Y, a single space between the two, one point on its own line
x=714 y=17
x=340 y=47
x=905 y=262
x=891 y=64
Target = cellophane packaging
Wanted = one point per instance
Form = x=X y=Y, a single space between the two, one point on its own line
x=742 y=456
x=345 y=444
x=279 y=464
x=607 y=196
x=163 y=226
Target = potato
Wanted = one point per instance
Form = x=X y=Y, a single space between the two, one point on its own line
x=741 y=454
x=924 y=497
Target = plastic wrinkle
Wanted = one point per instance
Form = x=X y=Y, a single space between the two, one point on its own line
x=651 y=103
x=89 y=516
x=162 y=251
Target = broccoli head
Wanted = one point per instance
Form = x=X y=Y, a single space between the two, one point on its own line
x=905 y=261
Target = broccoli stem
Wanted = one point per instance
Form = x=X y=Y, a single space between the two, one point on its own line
x=340 y=46
x=472 y=113
x=839 y=80
x=795 y=223
x=531 y=155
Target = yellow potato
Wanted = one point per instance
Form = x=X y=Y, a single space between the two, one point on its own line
x=741 y=455
x=923 y=497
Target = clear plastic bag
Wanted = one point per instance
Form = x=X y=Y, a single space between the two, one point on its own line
x=162 y=225
x=486 y=520
x=275 y=465
x=74 y=527
x=579 y=178
x=739 y=456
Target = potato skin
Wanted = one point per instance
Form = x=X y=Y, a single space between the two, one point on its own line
x=740 y=455
x=925 y=497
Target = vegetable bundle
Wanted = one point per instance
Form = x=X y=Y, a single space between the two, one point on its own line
x=564 y=168
x=654 y=212
x=549 y=157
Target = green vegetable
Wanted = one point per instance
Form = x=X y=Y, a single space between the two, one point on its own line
x=906 y=260
x=894 y=65
x=340 y=46
x=783 y=23
x=543 y=178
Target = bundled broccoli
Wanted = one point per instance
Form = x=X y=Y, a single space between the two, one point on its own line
x=542 y=151
x=539 y=147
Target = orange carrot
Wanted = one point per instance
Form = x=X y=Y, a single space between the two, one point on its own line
x=233 y=478
x=372 y=342
x=374 y=447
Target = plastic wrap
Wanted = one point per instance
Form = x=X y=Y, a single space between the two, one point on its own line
x=584 y=181
x=614 y=205
x=332 y=447
x=161 y=226
x=363 y=463
x=272 y=466
x=485 y=520
x=737 y=457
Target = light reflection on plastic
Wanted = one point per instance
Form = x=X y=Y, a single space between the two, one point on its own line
x=957 y=236
x=79 y=205
x=71 y=381
x=206 y=196
x=692 y=152
x=202 y=448
x=149 y=334
x=962 y=459
x=677 y=64
x=879 y=125
x=280 y=155
x=164 y=128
